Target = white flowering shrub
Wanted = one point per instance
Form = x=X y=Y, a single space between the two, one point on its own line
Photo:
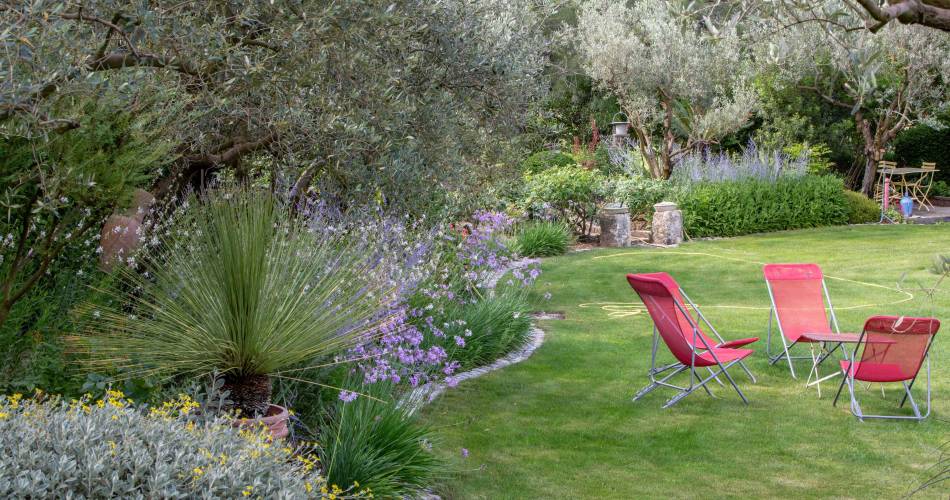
x=111 y=449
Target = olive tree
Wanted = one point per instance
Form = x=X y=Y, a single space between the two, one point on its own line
x=338 y=91
x=357 y=99
x=888 y=80
x=683 y=79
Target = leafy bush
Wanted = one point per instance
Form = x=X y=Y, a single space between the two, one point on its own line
x=754 y=206
x=939 y=188
x=922 y=143
x=817 y=156
x=376 y=444
x=861 y=209
x=571 y=194
x=641 y=193
x=59 y=187
x=240 y=288
x=478 y=333
x=543 y=160
x=108 y=449
x=542 y=238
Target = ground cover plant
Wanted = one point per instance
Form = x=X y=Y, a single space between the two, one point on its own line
x=113 y=448
x=568 y=407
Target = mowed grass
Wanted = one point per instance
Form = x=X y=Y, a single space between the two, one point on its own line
x=562 y=423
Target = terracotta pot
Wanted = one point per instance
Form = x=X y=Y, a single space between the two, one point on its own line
x=119 y=239
x=275 y=420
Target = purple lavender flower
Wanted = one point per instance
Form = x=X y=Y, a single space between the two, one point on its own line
x=347 y=396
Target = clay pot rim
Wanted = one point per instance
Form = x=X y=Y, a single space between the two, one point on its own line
x=269 y=418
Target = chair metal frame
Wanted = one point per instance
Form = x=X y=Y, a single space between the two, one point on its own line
x=678 y=367
x=849 y=380
x=773 y=313
x=921 y=186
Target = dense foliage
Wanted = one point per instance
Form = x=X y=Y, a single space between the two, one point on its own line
x=240 y=288
x=357 y=98
x=572 y=194
x=58 y=188
x=109 y=448
x=543 y=160
x=376 y=443
x=925 y=143
x=861 y=209
x=733 y=208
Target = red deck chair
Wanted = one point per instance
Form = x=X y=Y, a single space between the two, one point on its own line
x=798 y=294
x=892 y=350
x=691 y=347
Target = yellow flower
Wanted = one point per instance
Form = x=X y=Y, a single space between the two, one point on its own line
x=197 y=471
x=308 y=486
x=4 y=415
x=248 y=490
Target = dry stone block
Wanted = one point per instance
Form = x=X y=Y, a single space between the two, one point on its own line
x=615 y=226
x=667 y=224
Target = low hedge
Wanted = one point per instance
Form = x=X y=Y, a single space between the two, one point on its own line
x=735 y=208
x=861 y=209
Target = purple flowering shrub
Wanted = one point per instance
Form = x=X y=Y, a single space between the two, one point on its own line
x=439 y=276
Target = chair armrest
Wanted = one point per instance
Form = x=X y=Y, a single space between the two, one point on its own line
x=732 y=344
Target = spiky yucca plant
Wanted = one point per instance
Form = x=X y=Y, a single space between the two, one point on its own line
x=240 y=288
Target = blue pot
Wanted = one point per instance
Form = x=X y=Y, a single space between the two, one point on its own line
x=907 y=205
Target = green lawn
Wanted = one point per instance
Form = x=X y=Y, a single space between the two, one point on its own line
x=562 y=423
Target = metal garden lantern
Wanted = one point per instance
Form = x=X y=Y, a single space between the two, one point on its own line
x=620 y=128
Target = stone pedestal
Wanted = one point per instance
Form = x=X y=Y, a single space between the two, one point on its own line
x=667 y=224
x=614 y=226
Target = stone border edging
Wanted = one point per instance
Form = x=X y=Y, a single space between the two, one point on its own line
x=426 y=393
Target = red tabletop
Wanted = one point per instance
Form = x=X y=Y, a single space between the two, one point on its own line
x=845 y=338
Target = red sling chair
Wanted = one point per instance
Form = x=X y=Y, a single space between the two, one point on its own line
x=691 y=347
x=798 y=294
x=892 y=350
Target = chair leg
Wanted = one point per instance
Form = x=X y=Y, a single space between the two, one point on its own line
x=657 y=383
x=733 y=382
x=910 y=397
x=844 y=379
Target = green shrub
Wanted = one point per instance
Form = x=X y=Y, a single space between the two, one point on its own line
x=921 y=143
x=641 y=193
x=817 y=155
x=861 y=209
x=476 y=334
x=542 y=239
x=572 y=194
x=54 y=449
x=543 y=160
x=939 y=188
x=755 y=206
x=374 y=442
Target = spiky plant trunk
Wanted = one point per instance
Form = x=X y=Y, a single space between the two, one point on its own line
x=249 y=393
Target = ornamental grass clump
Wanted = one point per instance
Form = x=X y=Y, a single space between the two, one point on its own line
x=542 y=239
x=239 y=287
x=110 y=449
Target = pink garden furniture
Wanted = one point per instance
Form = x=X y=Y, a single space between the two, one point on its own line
x=892 y=349
x=692 y=348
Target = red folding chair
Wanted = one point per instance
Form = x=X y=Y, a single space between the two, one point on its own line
x=798 y=294
x=691 y=347
x=892 y=350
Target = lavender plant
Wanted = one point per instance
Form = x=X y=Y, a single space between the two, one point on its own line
x=753 y=163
